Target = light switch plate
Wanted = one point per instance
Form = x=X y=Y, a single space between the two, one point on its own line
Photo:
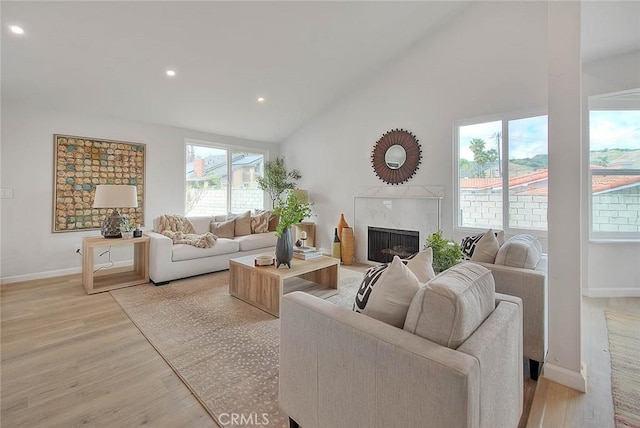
x=6 y=193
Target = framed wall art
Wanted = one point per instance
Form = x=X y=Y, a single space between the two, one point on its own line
x=80 y=164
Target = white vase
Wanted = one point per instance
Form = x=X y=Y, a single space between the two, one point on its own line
x=127 y=235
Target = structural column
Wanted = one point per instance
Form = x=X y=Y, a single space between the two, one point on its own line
x=564 y=363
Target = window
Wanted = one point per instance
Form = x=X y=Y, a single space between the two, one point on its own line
x=502 y=173
x=614 y=166
x=221 y=180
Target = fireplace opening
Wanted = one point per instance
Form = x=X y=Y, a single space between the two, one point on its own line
x=384 y=243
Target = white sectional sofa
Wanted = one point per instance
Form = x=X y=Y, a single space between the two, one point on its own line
x=168 y=262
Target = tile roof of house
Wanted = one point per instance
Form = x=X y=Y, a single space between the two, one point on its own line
x=600 y=183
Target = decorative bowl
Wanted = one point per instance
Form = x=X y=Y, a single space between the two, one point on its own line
x=264 y=260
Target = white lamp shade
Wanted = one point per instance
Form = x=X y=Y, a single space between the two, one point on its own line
x=115 y=196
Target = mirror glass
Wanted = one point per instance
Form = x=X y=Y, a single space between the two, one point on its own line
x=395 y=156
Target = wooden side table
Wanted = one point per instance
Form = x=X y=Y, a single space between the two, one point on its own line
x=310 y=228
x=110 y=279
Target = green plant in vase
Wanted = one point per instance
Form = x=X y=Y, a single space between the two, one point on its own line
x=277 y=179
x=126 y=225
x=446 y=252
x=291 y=211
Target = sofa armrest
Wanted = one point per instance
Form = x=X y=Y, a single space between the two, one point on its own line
x=530 y=286
x=497 y=344
x=339 y=368
x=160 y=254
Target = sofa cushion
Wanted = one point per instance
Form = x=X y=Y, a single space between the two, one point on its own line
x=243 y=223
x=468 y=244
x=522 y=251
x=256 y=241
x=201 y=224
x=389 y=300
x=273 y=222
x=486 y=248
x=421 y=265
x=452 y=305
x=371 y=277
x=188 y=252
x=223 y=229
x=260 y=222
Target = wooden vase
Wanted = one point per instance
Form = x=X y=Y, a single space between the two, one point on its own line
x=347 y=243
x=341 y=225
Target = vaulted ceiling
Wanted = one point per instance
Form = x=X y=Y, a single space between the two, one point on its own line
x=111 y=58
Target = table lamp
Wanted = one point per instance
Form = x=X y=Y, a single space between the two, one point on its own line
x=114 y=196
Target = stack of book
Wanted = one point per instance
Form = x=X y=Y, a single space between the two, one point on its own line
x=306 y=253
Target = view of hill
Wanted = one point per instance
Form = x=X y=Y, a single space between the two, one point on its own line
x=616 y=158
x=611 y=158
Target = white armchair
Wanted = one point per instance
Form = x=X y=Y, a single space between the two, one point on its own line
x=339 y=368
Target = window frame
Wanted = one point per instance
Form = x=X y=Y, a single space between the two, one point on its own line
x=606 y=102
x=505 y=118
x=230 y=148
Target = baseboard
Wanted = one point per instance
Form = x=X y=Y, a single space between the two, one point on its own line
x=611 y=292
x=56 y=273
x=569 y=378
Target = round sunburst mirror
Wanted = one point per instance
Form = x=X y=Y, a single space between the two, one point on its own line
x=396 y=156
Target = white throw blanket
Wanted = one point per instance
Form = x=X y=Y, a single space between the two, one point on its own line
x=181 y=231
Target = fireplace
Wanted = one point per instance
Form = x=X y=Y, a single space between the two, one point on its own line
x=385 y=243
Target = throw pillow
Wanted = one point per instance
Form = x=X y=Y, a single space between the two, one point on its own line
x=223 y=229
x=522 y=251
x=421 y=265
x=371 y=277
x=468 y=244
x=453 y=305
x=486 y=248
x=260 y=222
x=243 y=223
x=273 y=220
x=389 y=300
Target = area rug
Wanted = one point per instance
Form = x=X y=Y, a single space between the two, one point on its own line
x=223 y=349
x=624 y=348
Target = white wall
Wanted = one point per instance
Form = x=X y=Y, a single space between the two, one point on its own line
x=612 y=269
x=29 y=248
x=488 y=60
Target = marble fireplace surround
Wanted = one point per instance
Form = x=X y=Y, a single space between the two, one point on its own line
x=396 y=207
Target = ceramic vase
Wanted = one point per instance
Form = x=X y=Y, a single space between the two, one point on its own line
x=284 y=248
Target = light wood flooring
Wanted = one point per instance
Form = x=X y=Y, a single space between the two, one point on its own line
x=71 y=359
x=555 y=405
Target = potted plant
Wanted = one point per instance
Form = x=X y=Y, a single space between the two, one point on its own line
x=127 y=228
x=277 y=179
x=446 y=252
x=291 y=211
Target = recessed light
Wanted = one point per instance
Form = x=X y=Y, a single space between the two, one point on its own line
x=171 y=73
x=261 y=99
x=16 y=29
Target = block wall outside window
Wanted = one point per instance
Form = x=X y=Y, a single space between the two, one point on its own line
x=614 y=167
x=507 y=155
x=219 y=180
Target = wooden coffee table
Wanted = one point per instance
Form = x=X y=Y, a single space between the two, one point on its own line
x=263 y=286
